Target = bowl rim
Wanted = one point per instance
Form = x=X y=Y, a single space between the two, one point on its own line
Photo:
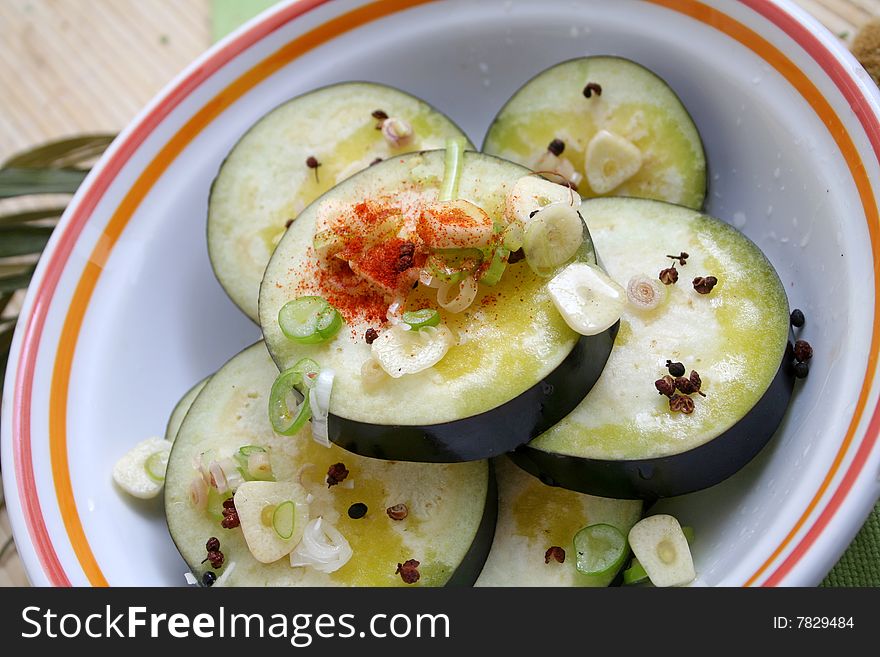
x=791 y=561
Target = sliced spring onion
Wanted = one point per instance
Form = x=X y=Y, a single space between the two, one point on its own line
x=155 y=466
x=496 y=268
x=284 y=519
x=423 y=318
x=284 y=420
x=600 y=550
x=453 y=165
x=552 y=238
x=320 y=406
x=513 y=236
x=635 y=574
x=254 y=464
x=645 y=292
x=465 y=292
x=401 y=352
x=309 y=369
x=259 y=467
x=322 y=547
x=309 y=320
x=452 y=265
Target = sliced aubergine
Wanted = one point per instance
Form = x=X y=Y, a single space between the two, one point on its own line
x=296 y=153
x=325 y=510
x=627 y=439
x=608 y=125
x=181 y=409
x=534 y=518
x=488 y=362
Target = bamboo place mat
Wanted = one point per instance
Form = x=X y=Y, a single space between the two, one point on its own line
x=70 y=67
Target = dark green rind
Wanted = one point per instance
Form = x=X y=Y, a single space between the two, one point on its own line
x=493 y=432
x=668 y=476
x=471 y=565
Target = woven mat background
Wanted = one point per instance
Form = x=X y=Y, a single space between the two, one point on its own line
x=69 y=66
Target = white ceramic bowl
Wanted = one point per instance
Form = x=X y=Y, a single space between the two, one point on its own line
x=124 y=313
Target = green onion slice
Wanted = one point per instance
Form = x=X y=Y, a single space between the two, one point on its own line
x=284 y=420
x=599 y=550
x=496 y=268
x=284 y=519
x=635 y=574
x=155 y=466
x=309 y=320
x=419 y=319
x=453 y=165
x=309 y=370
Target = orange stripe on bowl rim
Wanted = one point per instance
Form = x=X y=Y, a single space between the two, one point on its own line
x=325 y=32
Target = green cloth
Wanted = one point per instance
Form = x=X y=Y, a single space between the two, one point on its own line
x=227 y=15
x=860 y=564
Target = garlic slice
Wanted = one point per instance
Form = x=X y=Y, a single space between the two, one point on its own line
x=531 y=193
x=454 y=225
x=610 y=161
x=251 y=500
x=401 y=352
x=588 y=300
x=660 y=545
x=131 y=473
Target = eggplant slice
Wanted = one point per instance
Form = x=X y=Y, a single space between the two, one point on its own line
x=450 y=515
x=607 y=124
x=533 y=517
x=516 y=369
x=624 y=439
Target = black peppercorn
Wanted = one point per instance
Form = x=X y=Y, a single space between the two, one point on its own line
x=797 y=318
x=556 y=147
x=357 y=510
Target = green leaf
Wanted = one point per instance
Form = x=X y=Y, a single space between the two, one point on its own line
x=17 y=280
x=21 y=182
x=31 y=215
x=6 y=331
x=4 y=301
x=23 y=240
x=64 y=153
